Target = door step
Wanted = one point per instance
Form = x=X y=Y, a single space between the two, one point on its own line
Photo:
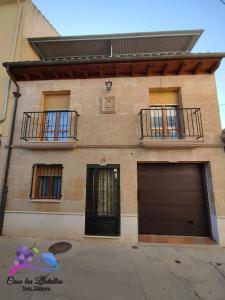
x=102 y=237
x=168 y=239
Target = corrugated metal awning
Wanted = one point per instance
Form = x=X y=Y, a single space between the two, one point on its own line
x=115 y=44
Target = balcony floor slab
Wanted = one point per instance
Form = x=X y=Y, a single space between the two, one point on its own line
x=40 y=145
x=148 y=143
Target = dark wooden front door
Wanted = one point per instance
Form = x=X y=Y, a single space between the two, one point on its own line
x=103 y=200
x=171 y=200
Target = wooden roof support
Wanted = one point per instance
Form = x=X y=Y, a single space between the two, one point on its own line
x=196 y=68
x=85 y=73
x=40 y=74
x=148 y=70
x=70 y=73
x=182 y=67
x=139 y=68
x=215 y=66
x=165 y=67
x=35 y=75
x=26 y=76
x=116 y=70
x=55 y=74
x=132 y=70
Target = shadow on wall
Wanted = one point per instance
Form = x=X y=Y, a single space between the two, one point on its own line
x=211 y=203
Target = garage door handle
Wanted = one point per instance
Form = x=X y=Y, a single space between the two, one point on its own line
x=190 y=222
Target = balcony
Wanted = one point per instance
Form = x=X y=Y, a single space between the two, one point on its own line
x=57 y=129
x=171 y=126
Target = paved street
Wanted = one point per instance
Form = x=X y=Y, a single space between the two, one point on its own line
x=109 y=270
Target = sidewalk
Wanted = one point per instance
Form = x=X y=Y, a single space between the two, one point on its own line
x=96 y=269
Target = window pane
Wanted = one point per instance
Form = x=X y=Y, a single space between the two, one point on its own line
x=56 y=187
x=158 y=135
x=50 y=124
x=43 y=187
x=156 y=117
x=173 y=134
x=47 y=181
x=156 y=122
x=172 y=122
x=63 y=126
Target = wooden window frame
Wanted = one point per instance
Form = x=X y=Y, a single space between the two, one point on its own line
x=57 y=124
x=36 y=181
x=164 y=128
x=179 y=116
x=55 y=109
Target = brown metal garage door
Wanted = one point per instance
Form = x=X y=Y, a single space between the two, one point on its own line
x=171 y=200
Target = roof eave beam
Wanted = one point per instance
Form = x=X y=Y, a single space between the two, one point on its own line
x=182 y=67
x=215 y=67
x=197 y=67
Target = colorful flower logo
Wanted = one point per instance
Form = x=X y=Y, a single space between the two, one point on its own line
x=32 y=258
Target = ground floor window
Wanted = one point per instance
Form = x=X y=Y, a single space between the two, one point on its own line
x=46 y=182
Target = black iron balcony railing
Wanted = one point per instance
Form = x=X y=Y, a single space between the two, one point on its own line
x=49 y=126
x=171 y=123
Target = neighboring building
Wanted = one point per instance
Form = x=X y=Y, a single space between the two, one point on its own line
x=18 y=21
x=139 y=154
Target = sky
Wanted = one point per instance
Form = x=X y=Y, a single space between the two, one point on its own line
x=73 y=17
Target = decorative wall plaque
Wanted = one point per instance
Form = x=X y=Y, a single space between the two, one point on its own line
x=108 y=105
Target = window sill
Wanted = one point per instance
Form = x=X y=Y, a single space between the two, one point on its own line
x=39 y=145
x=46 y=200
x=150 y=143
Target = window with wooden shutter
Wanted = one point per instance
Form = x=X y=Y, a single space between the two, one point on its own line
x=46 y=182
x=164 y=119
x=55 y=123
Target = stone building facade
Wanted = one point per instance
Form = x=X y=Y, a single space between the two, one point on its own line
x=158 y=121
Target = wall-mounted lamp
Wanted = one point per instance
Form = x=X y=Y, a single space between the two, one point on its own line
x=108 y=85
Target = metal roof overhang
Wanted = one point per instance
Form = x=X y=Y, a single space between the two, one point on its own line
x=115 y=44
x=180 y=64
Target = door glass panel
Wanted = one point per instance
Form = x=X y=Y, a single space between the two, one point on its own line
x=63 y=126
x=102 y=201
x=171 y=122
x=107 y=186
x=156 y=123
x=50 y=123
x=56 y=126
x=164 y=122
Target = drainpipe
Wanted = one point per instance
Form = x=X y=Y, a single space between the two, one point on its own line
x=5 y=182
x=8 y=84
